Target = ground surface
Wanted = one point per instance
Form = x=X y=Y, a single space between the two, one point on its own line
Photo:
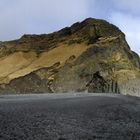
x=70 y=117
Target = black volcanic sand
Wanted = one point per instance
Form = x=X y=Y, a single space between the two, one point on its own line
x=46 y=117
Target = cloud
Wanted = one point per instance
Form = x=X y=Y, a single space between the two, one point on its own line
x=38 y=16
x=131 y=6
x=130 y=26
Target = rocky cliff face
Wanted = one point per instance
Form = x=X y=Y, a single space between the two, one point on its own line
x=89 y=56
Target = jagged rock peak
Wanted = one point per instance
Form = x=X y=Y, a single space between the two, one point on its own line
x=89 y=25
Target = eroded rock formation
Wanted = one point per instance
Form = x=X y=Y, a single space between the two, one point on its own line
x=89 y=56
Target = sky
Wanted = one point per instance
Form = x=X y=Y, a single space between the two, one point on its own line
x=18 y=17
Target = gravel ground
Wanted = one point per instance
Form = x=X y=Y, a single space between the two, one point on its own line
x=69 y=117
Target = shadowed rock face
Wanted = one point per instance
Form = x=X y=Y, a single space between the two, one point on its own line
x=89 y=56
x=99 y=84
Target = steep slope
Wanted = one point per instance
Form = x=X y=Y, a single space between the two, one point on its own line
x=89 y=56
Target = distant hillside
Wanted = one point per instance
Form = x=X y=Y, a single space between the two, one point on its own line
x=89 y=56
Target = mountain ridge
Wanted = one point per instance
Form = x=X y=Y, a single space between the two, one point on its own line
x=91 y=56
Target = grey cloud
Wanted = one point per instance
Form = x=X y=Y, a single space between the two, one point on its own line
x=129 y=25
x=37 y=16
x=130 y=6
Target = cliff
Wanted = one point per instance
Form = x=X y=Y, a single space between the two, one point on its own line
x=89 y=56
